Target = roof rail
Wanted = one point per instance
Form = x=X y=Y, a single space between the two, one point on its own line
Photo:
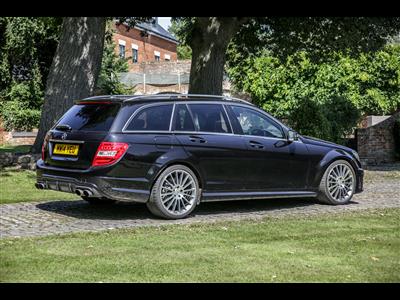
x=183 y=96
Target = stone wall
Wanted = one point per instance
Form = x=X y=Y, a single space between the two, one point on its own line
x=375 y=144
x=18 y=160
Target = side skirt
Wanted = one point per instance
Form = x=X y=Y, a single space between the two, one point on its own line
x=228 y=196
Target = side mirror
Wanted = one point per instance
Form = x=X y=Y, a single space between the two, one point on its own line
x=292 y=136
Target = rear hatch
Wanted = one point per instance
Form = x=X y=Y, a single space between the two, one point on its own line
x=73 y=141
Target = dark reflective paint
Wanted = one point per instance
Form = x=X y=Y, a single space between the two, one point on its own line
x=229 y=166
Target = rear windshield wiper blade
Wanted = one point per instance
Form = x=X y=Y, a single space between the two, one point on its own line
x=64 y=127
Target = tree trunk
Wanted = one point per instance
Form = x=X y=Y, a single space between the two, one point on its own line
x=74 y=70
x=209 y=42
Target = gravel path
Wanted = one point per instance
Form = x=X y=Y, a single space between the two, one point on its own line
x=381 y=190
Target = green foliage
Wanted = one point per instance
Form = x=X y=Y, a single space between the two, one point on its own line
x=178 y=29
x=111 y=65
x=17 y=117
x=323 y=99
x=184 y=52
x=27 y=47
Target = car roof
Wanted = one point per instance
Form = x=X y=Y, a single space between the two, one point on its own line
x=161 y=97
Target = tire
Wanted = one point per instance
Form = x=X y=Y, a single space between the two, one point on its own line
x=98 y=201
x=175 y=193
x=336 y=187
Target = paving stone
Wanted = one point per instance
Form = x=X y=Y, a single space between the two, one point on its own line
x=381 y=190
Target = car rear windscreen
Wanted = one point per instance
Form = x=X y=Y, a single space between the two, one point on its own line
x=90 y=117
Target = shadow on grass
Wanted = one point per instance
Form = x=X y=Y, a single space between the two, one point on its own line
x=139 y=211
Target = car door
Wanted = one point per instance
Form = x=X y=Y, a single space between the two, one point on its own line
x=205 y=133
x=274 y=163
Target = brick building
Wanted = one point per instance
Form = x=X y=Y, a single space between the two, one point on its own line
x=146 y=42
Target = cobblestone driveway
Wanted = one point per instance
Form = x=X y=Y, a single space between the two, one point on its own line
x=382 y=190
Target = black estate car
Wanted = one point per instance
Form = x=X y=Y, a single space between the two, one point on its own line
x=173 y=151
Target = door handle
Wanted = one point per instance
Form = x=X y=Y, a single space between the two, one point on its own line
x=256 y=145
x=197 y=139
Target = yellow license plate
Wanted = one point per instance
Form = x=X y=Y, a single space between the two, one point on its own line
x=66 y=149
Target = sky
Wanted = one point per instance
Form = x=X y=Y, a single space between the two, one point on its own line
x=164 y=22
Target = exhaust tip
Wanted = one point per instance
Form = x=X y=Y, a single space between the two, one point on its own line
x=39 y=186
x=87 y=193
x=78 y=192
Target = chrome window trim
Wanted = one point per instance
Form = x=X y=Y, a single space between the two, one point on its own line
x=201 y=132
x=66 y=141
x=229 y=119
x=142 y=108
x=230 y=134
x=249 y=106
x=172 y=117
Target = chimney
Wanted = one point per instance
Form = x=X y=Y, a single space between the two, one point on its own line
x=155 y=22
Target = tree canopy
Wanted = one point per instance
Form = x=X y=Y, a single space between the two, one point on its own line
x=323 y=98
x=27 y=47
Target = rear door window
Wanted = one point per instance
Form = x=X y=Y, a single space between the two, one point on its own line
x=90 y=117
x=182 y=119
x=152 y=118
x=209 y=118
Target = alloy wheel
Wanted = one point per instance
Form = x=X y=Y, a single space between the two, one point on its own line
x=178 y=192
x=340 y=182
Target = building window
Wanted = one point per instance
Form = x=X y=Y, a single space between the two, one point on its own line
x=121 y=51
x=156 y=56
x=134 y=55
x=121 y=48
x=167 y=57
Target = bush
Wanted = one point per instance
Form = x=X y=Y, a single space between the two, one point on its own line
x=16 y=117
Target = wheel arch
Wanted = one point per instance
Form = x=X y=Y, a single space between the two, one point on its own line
x=179 y=162
x=329 y=158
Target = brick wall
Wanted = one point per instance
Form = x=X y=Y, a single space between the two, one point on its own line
x=375 y=144
x=157 y=67
x=146 y=45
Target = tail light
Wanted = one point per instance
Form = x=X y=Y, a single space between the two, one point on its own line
x=108 y=153
x=44 y=145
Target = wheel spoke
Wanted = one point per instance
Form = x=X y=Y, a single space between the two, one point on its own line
x=340 y=182
x=178 y=192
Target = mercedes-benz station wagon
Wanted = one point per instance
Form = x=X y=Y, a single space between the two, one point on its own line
x=174 y=151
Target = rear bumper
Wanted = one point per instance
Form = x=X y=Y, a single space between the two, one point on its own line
x=69 y=181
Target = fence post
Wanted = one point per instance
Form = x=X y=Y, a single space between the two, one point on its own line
x=144 y=83
x=179 y=82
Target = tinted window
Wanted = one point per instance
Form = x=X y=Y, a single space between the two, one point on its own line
x=209 y=117
x=155 y=118
x=90 y=117
x=183 y=120
x=254 y=123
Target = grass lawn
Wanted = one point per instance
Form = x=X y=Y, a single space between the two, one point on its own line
x=19 y=186
x=350 y=247
x=15 y=149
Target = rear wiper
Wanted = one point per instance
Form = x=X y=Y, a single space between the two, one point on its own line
x=64 y=127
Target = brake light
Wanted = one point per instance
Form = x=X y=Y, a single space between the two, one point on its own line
x=108 y=153
x=44 y=145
